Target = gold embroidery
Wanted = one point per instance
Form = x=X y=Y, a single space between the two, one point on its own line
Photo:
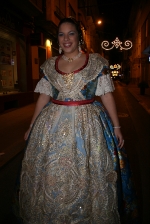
x=67 y=172
x=68 y=79
x=68 y=178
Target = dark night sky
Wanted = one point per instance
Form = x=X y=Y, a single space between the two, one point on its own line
x=114 y=15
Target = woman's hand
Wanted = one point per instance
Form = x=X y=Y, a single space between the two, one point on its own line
x=109 y=103
x=41 y=102
x=119 y=137
x=27 y=134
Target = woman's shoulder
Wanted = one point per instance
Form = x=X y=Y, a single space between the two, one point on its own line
x=49 y=62
x=51 y=59
x=48 y=66
x=98 y=58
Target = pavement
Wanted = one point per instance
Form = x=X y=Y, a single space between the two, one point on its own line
x=13 y=125
x=144 y=100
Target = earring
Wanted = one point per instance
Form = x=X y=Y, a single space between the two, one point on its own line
x=60 y=50
x=79 y=47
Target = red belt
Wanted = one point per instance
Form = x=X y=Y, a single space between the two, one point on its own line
x=73 y=103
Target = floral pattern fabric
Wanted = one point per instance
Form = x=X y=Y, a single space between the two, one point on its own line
x=72 y=170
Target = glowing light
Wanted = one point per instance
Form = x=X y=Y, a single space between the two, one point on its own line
x=114 y=73
x=117 y=44
x=48 y=43
x=116 y=66
x=99 y=22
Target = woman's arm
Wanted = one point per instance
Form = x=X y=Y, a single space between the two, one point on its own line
x=109 y=103
x=41 y=102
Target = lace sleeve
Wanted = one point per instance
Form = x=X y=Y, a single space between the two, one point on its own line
x=44 y=86
x=104 y=85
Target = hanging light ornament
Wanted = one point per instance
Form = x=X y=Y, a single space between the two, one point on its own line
x=117 y=43
x=116 y=66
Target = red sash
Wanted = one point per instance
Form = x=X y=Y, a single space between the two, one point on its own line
x=73 y=103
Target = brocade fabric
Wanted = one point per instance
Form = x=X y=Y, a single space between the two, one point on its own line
x=104 y=86
x=68 y=174
x=43 y=87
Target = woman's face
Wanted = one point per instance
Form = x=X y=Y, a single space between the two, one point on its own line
x=68 y=37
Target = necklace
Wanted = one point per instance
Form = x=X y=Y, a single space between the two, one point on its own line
x=71 y=59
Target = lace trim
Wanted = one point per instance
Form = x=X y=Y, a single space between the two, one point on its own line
x=90 y=72
x=104 y=85
x=43 y=86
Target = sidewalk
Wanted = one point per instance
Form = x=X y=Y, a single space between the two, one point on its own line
x=13 y=124
x=144 y=100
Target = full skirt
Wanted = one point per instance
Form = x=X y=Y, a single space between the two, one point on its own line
x=70 y=168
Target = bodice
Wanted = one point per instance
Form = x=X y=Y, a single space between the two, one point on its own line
x=87 y=92
x=82 y=84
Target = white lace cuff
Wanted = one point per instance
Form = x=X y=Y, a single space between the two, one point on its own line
x=44 y=86
x=104 y=85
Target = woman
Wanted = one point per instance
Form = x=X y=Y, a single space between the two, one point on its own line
x=70 y=166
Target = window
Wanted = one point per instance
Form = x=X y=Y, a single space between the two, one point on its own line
x=81 y=3
x=146 y=31
x=72 y=12
x=143 y=32
x=60 y=8
x=38 y=3
x=7 y=59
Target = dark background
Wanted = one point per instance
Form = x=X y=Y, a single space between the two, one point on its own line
x=115 y=16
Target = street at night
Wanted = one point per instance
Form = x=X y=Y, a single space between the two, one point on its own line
x=65 y=158
x=135 y=124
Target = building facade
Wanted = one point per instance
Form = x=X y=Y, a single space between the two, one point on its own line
x=139 y=27
x=28 y=36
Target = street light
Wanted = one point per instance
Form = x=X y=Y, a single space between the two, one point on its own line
x=99 y=22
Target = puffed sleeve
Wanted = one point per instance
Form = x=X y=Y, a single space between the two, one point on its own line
x=104 y=85
x=44 y=86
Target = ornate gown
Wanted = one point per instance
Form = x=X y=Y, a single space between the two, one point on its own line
x=71 y=170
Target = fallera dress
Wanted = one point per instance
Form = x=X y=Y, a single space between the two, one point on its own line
x=72 y=171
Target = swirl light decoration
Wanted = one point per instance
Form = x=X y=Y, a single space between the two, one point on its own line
x=116 y=66
x=116 y=43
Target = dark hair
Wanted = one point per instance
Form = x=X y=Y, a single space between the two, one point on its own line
x=75 y=23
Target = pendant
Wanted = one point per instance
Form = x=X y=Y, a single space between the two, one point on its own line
x=70 y=59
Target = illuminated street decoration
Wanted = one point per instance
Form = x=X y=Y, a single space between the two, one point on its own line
x=114 y=73
x=116 y=66
x=117 y=44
